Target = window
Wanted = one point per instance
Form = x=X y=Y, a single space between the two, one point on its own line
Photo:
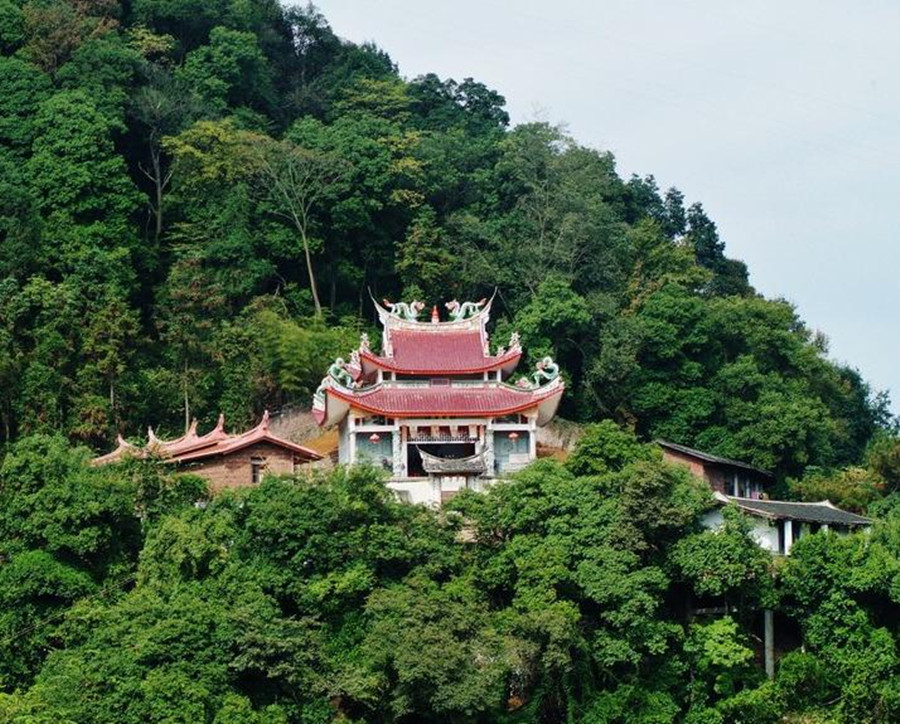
x=257 y=465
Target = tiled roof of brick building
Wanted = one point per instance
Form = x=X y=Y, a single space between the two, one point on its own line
x=710 y=458
x=192 y=447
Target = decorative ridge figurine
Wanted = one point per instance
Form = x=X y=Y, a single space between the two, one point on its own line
x=545 y=371
x=466 y=310
x=409 y=312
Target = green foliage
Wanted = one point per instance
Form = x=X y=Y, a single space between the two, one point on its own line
x=553 y=597
x=852 y=488
x=883 y=459
x=22 y=89
x=605 y=447
x=725 y=562
x=169 y=163
x=195 y=197
x=12 y=26
x=719 y=655
x=230 y=71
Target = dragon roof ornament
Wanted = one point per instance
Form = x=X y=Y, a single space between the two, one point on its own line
x=459 y=312
x=403 y=315
x=546 y=371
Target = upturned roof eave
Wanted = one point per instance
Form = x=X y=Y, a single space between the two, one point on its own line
x=360 y=401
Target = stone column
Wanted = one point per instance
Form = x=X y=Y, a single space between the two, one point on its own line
x=397 y=452
x=404 y=442
x=351 y=431
x=769 y=622
x=788 y=535
x=489 y=449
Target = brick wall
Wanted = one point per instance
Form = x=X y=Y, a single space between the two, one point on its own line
x=234 y=470
x=714 y=477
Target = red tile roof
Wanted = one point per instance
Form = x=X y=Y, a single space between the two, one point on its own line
x=239 y=442
x=439 y=352
x=188 y=442
x=445 y=401
x=192 y=447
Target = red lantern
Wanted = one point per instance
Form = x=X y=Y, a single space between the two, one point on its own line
x=374 y=438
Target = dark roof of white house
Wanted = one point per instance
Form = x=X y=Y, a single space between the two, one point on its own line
x=710 y=458
x=822 y=512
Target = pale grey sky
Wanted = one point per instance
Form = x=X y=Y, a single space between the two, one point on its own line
x=782 y=119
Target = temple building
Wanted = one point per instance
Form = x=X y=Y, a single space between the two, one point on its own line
x=225 y=460
x=435 y=406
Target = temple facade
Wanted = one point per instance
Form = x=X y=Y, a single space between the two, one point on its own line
x=435 y=406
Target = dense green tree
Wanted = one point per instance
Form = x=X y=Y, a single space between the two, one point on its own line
x=191 y=304
x=23 y=87
x=12 y=26
x=82 y=187
x=230 y=71
x=195 y=199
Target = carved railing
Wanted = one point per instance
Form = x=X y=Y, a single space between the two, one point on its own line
x=460 y=436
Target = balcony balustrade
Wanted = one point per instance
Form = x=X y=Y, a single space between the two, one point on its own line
x=428 y=436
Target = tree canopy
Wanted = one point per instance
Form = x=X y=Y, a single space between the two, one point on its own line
x=558 y=595
x=196 y=197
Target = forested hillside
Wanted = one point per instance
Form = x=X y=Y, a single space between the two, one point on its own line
x=196 y=197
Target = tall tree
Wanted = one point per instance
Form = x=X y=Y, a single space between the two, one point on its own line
x=296 y=181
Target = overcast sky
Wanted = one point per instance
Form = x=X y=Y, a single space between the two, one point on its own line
x=782 y=119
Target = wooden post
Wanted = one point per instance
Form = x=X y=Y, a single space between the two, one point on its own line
x=769 y=644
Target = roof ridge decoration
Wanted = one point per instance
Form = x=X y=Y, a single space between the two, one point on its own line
x=408 y=312
x=191 y=447
x=338 y=375
x=403 y=315
x=546 y=371
x=460 y=312
x=514 y=345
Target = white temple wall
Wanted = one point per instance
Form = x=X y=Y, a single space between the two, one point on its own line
x=415 y=491
x=762 y=530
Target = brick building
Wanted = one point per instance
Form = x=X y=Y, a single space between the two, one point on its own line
x=726 y=476
x=225 y=460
